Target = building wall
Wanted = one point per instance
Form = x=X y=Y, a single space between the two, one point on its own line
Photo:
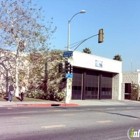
x=131 y=78
x=139 y=78
x=88 y=61
x=115 y=86
x=117 y=94
x=96 y=62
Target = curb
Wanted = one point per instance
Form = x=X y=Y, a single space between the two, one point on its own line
x=40 y=105
x=69 y=105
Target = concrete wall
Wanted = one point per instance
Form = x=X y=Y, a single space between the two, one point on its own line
x=117 y=94
x=96 y=62
x=132 y=77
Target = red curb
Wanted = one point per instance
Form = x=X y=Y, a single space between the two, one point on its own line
x=69 y=105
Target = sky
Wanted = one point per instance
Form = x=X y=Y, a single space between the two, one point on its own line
x=120 y=20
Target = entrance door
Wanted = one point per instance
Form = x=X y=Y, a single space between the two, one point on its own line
x=127 y=90
x=106 y=85
x=91 y=85
x=77 y=84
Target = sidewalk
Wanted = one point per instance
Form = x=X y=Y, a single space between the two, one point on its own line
x=34 y=104
x=72 y=103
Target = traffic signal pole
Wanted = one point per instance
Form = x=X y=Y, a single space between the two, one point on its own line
x=69 y=67
x=68 y=71
x=85 y=40
x=100 y=38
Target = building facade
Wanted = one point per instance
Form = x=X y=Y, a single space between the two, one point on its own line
x=130 y=78
x=95 y=77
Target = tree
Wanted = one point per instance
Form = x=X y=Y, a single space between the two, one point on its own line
x=45 y=81
x=117 y=57
x=22 y=30
x=6 y=68
x=87 y=50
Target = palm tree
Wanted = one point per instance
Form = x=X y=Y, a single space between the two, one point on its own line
x=117 y=57
x=87 y=50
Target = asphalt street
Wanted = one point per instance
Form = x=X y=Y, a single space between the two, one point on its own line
x=68 y=123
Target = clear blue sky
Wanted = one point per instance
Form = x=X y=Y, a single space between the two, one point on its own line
x=120 y=20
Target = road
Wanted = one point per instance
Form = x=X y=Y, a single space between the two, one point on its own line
x=68 y=123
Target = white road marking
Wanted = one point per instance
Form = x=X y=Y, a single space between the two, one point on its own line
x=117 y=138
x=127 y=111
x=53 y=126
x=100 y=113
x=30 y=112
x=110 y=108
x=58 y=110
x=23 y=117
x=135 y=118
x=68 y=114
x=9 y=108
x=130 y=107
x=104 y=121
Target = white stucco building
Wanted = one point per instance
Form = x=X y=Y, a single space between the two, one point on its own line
x=95 y=77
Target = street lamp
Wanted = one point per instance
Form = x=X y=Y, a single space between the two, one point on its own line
x=81 y=12
x=69 y=80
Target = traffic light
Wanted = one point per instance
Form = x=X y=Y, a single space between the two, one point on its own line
x=67 y=66
x=101 y=36
x=60 y=67
x=71 y=69
x=64 y=78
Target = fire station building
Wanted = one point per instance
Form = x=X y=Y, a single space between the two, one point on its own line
x=95 y=77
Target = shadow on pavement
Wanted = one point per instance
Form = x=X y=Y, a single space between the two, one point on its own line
x=124 y=115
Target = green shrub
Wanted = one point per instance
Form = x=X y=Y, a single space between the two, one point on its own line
x=134 y=96
x=134 y=91
x=54 y=95
x=38 y=94
x=60 y=96
x=2 y=94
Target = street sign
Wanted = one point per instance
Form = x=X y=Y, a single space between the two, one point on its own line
x=68 y=54
x=69 y=75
